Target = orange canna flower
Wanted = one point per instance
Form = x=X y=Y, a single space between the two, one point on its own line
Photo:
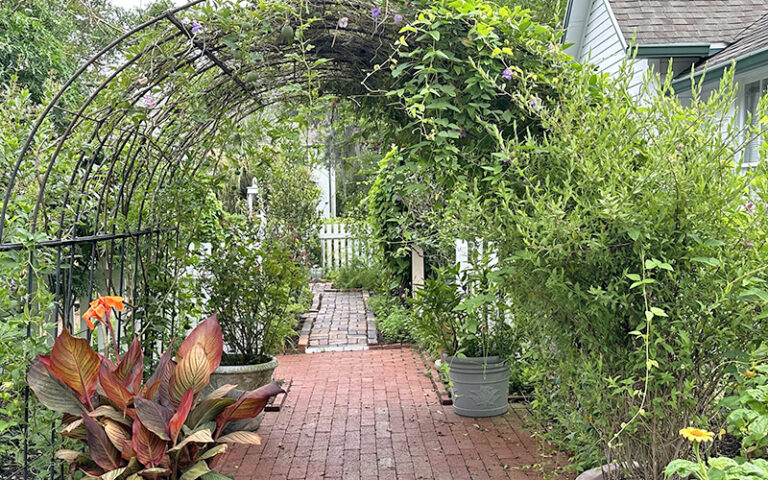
x=112 y=301
x=101 y=307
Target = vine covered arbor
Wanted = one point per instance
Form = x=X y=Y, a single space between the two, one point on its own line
x=104 y=196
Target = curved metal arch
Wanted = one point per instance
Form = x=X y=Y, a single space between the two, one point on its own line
x=354 y=67
x=54 y=101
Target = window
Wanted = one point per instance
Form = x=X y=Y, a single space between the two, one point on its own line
x=752 y=94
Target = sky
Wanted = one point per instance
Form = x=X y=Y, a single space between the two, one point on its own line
x=130 y=4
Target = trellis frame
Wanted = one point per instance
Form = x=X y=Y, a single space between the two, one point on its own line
x=146 y=156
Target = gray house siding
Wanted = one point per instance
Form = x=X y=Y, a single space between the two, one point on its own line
x=604 y=46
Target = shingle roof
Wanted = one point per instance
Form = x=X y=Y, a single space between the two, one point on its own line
x=685 y=21
x=754 y=38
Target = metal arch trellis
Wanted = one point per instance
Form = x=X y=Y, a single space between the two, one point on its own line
x=116 y=160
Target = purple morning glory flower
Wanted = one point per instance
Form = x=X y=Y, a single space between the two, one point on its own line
x=196 y=26
x=149 y=102
x=507 y=73
x=535 y=103
x=343 y=22
x=398 y=18
x=375 y=12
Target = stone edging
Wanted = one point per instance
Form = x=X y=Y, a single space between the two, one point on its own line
x=442 y=394
x=309 y=317
x=370 y=321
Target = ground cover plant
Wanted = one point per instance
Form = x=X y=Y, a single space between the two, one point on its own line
x=744 y=417
x=392 y=317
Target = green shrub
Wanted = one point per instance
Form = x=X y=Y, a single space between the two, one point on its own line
x=393 y=320
x=635 y=262
x=358 y=274
x=252 y=286
x=463 y=314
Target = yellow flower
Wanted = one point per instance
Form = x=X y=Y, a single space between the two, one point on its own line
x=749 y=373
x=697 y=435
x=721 y=434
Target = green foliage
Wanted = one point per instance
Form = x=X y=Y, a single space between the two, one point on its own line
x=628 y=256
x=747 y=418
x=719 y=468
x=462 y=314
x=746 y=404
x=644 y=280
x=251 y=285
x=358 y=273
x=174 y=432
x=388 y=216
x=393 y=320
x=46 y=40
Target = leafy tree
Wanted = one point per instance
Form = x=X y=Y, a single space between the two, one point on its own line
x=43 y=40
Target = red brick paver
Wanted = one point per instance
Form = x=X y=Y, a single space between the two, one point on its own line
x=373 y=415
x=342 y=322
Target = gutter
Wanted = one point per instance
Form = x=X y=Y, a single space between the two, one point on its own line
x=744 y=63
x=670 y=50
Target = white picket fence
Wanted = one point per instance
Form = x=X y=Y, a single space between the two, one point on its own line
x=342 y=243
x=467 y=254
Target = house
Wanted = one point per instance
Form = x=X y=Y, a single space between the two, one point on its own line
x=699 y=37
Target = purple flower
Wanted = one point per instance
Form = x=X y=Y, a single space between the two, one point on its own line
x=149 y=102
x=462 y=133
x=196 y=27
x=398 y=18
x=375 y=12
x=749 y=208
x=343 y=22
x=507 y=73
x=535 y=103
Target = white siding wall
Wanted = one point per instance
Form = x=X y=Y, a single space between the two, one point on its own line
x=604 y=46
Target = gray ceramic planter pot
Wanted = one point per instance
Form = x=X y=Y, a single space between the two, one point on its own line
x=604 y=472
x=480 y=385
x=246 y=377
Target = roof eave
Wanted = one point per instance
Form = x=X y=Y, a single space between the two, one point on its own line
x=744 y=63
x=670 y=50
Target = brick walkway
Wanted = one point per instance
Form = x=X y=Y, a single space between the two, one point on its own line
x=373 y=415
x=342 y=321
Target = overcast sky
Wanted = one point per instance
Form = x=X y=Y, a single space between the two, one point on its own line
x=129 y=4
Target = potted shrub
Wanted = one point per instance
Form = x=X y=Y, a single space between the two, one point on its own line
x=250 y=285
x=465 y=317
x=164 y=428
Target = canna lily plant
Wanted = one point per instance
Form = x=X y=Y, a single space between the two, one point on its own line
x=134 y=430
